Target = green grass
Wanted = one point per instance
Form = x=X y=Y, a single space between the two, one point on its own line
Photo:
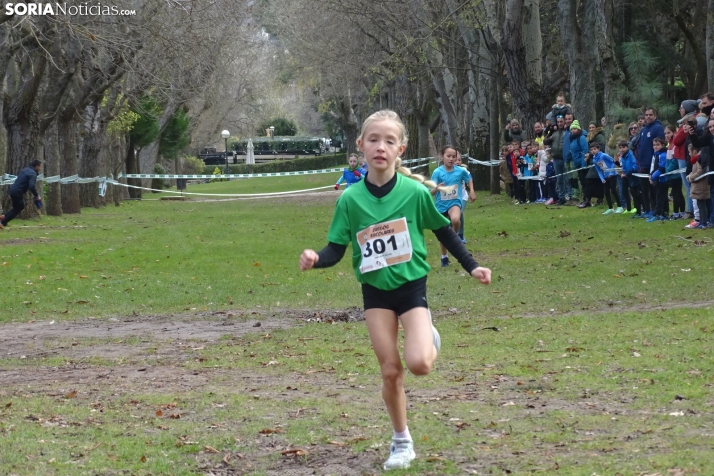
x=589 y=354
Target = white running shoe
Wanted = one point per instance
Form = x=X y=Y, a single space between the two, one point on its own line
x=401 y=454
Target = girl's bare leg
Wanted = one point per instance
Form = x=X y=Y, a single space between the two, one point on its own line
x=455 y=217
x=419 y=350
x=383 y=330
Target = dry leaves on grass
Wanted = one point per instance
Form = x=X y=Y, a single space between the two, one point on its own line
x=294 y=452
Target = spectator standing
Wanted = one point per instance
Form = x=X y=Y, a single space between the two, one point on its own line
x=700 y=190
x=25 y=182
x=578 y=150
x=675 y=154
x=604 y=166
x=569 y=180
x=652 y=129
x=634 y=137
x=630 y=183
x=513 y=132
x=539 y=131
x=555 y=142
x=706 y=104
x=659 y=180
x=705 y=143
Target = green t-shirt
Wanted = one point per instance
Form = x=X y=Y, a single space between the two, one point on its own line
x=357 y=210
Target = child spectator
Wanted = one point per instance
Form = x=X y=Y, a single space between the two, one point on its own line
x=530 y=170
x=604 y=166
x=630 y=184
x=551 y=180
x=560 y=108
x=518 y=183
x=659 y=180
x=700 y=190
x=674 y=180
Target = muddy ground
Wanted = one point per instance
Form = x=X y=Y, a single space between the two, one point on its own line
x=137 y=342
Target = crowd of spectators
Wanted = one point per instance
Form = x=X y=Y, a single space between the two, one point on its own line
x=639 y=170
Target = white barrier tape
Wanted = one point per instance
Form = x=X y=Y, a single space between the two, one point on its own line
x=8 y=179
x=678 y=171
x=114 y=182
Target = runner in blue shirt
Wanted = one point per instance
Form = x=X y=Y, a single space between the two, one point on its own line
x=448 y=203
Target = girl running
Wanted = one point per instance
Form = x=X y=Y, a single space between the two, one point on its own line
x=384 y=217
x=351 y=174
x=448 y=197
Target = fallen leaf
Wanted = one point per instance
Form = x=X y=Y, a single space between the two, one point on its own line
x=71 y=394
x=432 y=459
x=256 y=264
x=83 y=277
x=210 y=449
x=159 y=413
x=337 y=443
x=142 y=459
x=270 y=431
x=294 y=451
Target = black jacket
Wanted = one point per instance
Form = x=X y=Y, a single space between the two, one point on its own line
x=25 y=181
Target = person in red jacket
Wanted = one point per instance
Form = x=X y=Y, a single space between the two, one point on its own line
x=674 y=153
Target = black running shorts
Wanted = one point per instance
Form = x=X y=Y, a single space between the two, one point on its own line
x=405 y=298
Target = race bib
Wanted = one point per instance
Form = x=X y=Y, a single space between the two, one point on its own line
x=384 y=244
x=451 y=194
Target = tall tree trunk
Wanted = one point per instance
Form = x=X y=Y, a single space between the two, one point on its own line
x=494 y=132
x=710 y=45
x=67 y=139
x=132 y=167
x=91 y=160
x=578 y=43
x=21 y=119
x=607 y=59
x=528 y=94
x=53 y=206
x=412 y=126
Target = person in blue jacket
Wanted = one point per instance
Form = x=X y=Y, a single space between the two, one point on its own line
x=351 y=174
x=630 y=184
x=25 y=182
x=578 y=149
x=652 y=128
x=658 y=180
x=605 y=168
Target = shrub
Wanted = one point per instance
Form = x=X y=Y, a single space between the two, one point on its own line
x=192 y=166
x=157 y=183
x=217 y=171
x=294 y=165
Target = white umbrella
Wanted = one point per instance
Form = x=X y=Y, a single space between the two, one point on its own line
x=250 y=158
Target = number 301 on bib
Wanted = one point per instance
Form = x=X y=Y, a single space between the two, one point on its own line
x=384 y=244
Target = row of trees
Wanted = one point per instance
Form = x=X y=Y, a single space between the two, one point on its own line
x=455 y=70
x=100 y=94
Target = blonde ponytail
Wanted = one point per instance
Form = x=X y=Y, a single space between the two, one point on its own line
x=430 y=184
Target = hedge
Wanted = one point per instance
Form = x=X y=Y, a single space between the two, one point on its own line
x=294 y=165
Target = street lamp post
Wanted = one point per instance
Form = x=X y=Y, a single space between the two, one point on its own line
x=272 y=131
x=225 y=135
